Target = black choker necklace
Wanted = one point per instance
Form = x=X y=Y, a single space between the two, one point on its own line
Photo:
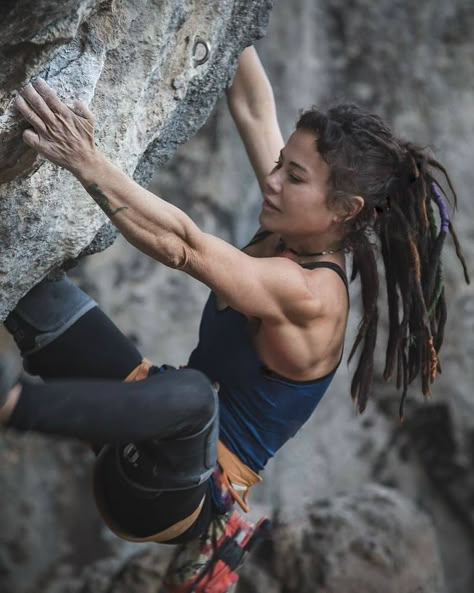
x=283 y=247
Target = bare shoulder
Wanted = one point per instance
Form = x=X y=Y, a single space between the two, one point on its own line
x=329 y=288
x=308 y=342
x=314 y=294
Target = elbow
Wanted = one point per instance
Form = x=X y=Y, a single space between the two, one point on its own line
x=173 y=248
x=178 y=256
x=173 y=256
x=179 y=259
x=170 y=253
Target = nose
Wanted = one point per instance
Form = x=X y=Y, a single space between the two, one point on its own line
x=273 y=181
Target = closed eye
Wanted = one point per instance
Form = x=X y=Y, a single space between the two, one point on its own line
x=291 y=176
x=294 y=179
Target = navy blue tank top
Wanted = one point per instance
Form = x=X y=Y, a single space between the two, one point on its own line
x=259 y=409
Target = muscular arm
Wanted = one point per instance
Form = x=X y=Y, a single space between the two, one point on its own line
x=151 y=224
x=268 y=288
x=252 y=105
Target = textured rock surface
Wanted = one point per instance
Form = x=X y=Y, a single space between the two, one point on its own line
x=372 y=540
x=140 y=66
x=414 y=64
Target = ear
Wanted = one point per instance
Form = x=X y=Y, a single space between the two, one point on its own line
x=351 y=209
x=357 y=203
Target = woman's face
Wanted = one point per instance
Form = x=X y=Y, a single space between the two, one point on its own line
x=294 y=196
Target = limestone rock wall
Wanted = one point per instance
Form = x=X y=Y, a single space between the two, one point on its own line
x=371 y=540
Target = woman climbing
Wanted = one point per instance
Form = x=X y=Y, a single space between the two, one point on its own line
x=272 y=331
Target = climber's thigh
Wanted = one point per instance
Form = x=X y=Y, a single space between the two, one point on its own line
x=177 y=432
x=161 y=479
x=93 y=347
x=62 y=333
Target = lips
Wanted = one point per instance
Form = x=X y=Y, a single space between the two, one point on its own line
x=268 y=204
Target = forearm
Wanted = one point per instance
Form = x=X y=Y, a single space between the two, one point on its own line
x=251 y=94
x=252 y=106
x=151 y=224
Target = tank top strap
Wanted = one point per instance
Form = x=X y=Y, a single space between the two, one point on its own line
x=259 y=236
x=332 y=266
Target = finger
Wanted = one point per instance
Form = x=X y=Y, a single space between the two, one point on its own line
x=50 y=97
x=24 y=108
x=37 y=103
x=31 y=138
x=80 y=108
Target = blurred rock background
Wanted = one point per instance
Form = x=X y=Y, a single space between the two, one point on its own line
x=361 y=503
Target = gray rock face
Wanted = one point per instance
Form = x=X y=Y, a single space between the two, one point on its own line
x=151 y=72
x=371 y=540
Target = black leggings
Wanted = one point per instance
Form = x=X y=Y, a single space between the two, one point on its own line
x=164 y=410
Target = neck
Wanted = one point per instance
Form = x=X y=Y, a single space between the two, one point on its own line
x=282 y=246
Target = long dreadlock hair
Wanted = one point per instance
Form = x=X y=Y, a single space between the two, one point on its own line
x=400 y=191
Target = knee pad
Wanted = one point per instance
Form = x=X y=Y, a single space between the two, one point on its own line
x=46 y=312
x=171 y=464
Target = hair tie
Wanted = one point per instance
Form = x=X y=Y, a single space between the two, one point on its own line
x=442 y=207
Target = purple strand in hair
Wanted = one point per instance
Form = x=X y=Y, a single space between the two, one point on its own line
x=442 y=207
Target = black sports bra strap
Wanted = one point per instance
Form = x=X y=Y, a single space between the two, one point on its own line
x=332 y=266
x=259 y=236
